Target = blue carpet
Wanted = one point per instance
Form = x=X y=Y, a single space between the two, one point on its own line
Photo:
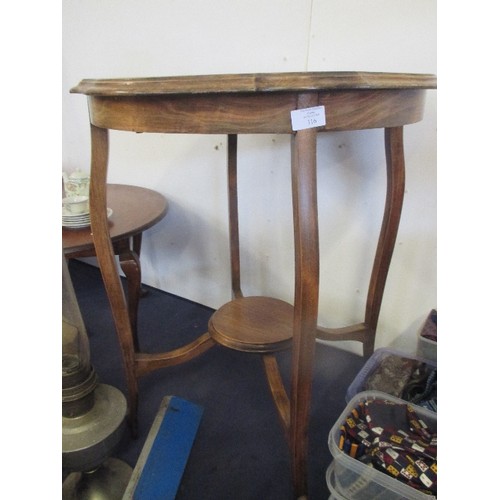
x=239 y=451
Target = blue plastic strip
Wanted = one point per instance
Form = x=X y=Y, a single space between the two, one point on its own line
x=167 y=459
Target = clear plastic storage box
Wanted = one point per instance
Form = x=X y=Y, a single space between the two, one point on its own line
x=350 y=478
x=427 y=348
x=330 y=480
x=427 y=337
x=359 y=383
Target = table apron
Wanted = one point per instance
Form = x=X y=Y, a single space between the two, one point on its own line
x=267 y=113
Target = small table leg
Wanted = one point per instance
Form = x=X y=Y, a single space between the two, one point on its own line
x=136 y=247
x=131 y=267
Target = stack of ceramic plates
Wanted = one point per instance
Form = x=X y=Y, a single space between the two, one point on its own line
x=77 y=221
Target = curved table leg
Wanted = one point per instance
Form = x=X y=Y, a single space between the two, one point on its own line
x=305 y=214
x=392 y=214
x=365 y=332
x=109 y=271
x=135 y=363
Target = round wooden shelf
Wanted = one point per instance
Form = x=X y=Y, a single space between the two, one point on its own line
x=253 y=324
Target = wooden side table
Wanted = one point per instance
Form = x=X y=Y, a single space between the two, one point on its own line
x=257 y=104
x=135 y=209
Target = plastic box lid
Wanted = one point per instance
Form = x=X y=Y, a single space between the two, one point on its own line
x=357 y=481
x=358 y=384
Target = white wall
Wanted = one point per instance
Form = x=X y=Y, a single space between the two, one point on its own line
x=187 y=253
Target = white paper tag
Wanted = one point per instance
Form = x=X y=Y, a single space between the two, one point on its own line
x=308 y=118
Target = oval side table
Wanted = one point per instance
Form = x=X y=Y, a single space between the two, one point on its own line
x=135 y=209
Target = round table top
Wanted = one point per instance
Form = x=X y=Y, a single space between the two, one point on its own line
x=135 y=209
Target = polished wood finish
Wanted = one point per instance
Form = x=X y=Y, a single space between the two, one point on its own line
x=135 y=209
x=232 y=194
x=259 y=103
x=278 y=392
x=148 y=362
x=254 y=103
x=254 y=113
x=254 y=83
x=253 y=324
x=305 y=217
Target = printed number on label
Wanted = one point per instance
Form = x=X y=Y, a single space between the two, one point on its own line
x=308 y=118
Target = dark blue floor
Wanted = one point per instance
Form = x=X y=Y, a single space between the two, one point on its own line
x=240 y=450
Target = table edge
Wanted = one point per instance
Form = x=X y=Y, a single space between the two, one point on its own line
x=254 y=83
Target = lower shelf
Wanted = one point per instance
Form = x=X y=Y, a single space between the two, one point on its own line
x=253 y=324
